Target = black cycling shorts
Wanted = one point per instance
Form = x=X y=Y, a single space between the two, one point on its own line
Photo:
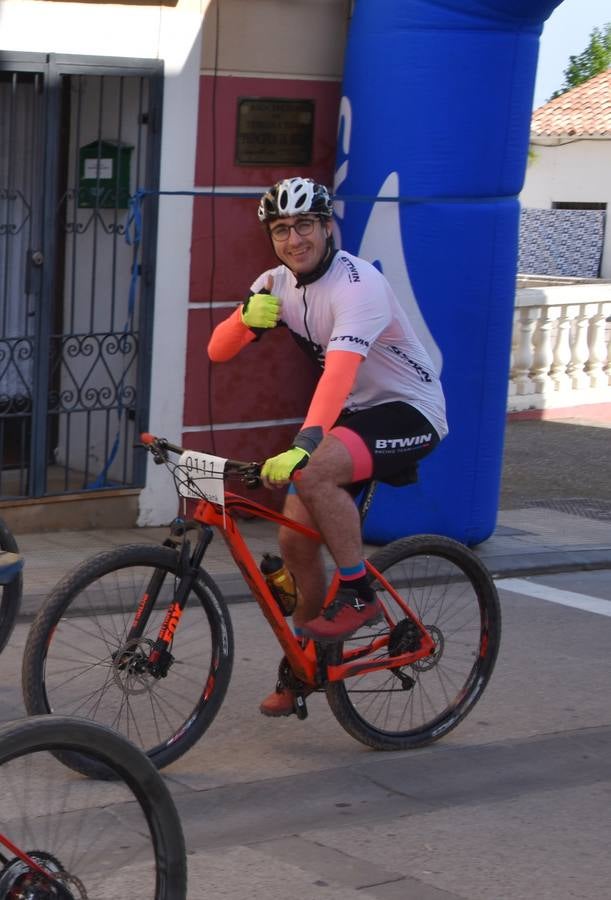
x=386 y=442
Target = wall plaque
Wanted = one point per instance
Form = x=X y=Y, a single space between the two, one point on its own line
x=274 y=132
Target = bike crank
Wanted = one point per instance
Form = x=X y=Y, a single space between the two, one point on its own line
x=19 y=882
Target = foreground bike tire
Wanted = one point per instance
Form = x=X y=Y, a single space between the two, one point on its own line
x=10 y=594
x=454 y=596
x=106 y=840
x=78 y=638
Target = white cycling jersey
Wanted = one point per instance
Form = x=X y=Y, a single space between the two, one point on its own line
x=352 y=307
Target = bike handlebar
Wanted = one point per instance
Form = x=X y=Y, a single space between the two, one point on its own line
x=158 y=444
x=248 y=472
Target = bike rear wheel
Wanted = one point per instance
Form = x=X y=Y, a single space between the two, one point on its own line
x=10 y=594
x=78 y=661
x=100 y=841
x=453 y=595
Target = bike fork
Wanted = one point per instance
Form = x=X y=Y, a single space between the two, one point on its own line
x=160 y=658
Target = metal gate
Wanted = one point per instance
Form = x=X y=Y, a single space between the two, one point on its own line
x=78 y=137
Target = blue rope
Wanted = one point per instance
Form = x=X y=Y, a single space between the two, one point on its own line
x=134 y=221
x=134 y=217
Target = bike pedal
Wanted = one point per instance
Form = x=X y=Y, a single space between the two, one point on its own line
x=301 y=709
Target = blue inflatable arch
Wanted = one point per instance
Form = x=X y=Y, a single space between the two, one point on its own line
x=432 y=149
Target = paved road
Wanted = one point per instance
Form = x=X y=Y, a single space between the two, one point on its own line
x=512 y=805
x=556 y=462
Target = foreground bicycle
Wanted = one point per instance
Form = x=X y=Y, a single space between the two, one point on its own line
x=10 y=589
x=140 y=637
x=64 y=837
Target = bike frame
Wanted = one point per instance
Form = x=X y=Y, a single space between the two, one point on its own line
x=302 y=658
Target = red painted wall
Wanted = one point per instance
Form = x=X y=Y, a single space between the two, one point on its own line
x=271 y=379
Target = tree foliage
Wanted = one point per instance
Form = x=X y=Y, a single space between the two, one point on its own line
x=592 y=61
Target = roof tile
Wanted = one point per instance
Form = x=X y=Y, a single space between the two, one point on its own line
x=586 y=109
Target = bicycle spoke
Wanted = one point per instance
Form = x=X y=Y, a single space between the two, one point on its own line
x=78 y=672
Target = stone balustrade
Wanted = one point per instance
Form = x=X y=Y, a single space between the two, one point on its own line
x=561 y=347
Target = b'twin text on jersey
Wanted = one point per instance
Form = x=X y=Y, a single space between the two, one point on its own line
x=351 y=339
x=353 y=273
x=423 y=374
x=402 y=443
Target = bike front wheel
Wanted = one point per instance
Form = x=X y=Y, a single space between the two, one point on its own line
x=113 y=839
x=79 y=660
x=453 y=595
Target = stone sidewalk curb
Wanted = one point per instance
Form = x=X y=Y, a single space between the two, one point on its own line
x=551 y=562
x=547 y=563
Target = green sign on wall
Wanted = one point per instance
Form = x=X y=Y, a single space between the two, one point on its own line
x=104 y=175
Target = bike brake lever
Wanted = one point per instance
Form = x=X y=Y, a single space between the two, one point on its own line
x=248 y=473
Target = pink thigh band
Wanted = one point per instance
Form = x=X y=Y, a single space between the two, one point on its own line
x=362 y=463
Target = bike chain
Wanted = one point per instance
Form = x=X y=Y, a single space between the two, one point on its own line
x=54 y=868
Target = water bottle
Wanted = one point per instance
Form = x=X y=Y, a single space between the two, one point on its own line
x=281 y=583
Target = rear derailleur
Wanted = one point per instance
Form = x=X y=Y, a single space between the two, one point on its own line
x=405 y=637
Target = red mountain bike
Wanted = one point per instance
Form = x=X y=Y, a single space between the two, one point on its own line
x=140 y=637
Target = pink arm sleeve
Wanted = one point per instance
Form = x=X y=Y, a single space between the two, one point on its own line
x=229 y=337
x=333 y=388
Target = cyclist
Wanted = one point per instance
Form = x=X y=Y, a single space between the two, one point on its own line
x=377 y=409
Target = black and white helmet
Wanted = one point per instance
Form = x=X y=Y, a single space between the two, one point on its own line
x=294 y=196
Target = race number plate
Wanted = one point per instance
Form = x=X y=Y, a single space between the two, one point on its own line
x=201 y=476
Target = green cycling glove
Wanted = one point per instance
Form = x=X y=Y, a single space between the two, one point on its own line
x=278 y=469
x=261 y=311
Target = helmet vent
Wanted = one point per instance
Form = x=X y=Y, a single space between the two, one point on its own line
x=294 y=196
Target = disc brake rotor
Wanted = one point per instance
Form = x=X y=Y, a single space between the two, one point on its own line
x=429 y=662
x=130 y=666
